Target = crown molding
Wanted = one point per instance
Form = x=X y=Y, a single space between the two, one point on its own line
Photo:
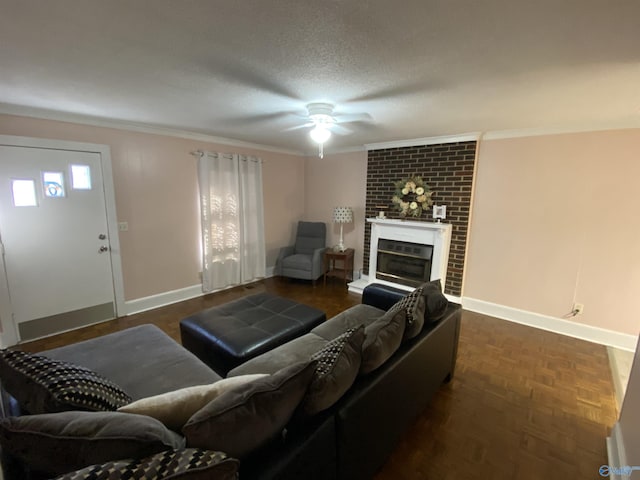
x=463 y=137
x=536 y=132
x=44 y=114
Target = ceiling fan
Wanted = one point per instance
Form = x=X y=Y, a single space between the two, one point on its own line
x=324 y=122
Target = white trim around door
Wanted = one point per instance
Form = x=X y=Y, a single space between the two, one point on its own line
x=8 y=334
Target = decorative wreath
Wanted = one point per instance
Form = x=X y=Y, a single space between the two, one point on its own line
x=412 y=196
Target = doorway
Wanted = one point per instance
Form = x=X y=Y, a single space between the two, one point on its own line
x=58 y=238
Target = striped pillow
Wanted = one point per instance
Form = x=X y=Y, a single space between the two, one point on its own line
x=191 y=463
x=43 y=385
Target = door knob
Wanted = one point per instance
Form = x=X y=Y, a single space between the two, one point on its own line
x=103 y=249
x=102 y=236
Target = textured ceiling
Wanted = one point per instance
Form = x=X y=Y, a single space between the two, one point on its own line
x=245 y=69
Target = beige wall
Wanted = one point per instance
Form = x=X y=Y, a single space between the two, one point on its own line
x=157 y=194
x=555 y=221
x=338 y=180
x=554 y=217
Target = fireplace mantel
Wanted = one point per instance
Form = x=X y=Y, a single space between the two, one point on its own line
x=426 y=233
x=409 y=224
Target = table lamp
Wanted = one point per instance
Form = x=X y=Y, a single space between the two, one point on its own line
x=342 y=215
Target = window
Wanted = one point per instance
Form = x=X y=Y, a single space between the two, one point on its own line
x=53 y=184
x=24 y=193
x=81 y=177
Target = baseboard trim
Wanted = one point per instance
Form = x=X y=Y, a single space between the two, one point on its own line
x=162 y=299
x=143 y=304
x=552 y=324
x=616 y=372
x=616 y=452
x=453 y=298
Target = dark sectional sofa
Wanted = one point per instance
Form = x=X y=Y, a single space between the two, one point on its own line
x=350 y=440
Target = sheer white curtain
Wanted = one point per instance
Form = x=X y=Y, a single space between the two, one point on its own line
x=232 y=219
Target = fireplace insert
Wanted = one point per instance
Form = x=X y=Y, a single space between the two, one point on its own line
x=404 y=262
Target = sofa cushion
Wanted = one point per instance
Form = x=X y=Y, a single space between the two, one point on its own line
x=338 y=366
x=161 y=364
x=294 y=351
x=55 y=443
x=175 y=408
x=383 y=332
x=350 y=318
x=413 y=304
x=262 y=407
x=435 y=301
x=189 y=463
x=382 y=338
x=43 y=385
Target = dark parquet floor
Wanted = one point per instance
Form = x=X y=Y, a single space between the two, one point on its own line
x=523 y=404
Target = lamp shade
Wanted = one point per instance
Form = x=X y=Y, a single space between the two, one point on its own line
x=342 y=215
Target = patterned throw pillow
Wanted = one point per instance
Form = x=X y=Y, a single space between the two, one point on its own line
x=191 y=463
x=338 y=364
x=43 y=385
x=410 y=303
x=413 y=304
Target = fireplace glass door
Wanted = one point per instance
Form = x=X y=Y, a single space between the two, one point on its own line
x=404 y=262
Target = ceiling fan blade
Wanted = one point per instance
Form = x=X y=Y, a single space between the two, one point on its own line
x=235 y=72
x=353 y=117
x=259 y=118
x=297 y=127
x=339 y=129
x=392 y=92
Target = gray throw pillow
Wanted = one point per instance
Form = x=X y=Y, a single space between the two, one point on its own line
x=435 y=301
x=382 y=338
x=55 y=443
x=338 y=366
x=190 y=463
x=262 y=408
x=175 y=408
x=43 y=385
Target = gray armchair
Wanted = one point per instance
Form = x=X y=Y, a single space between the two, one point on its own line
x=304 y=260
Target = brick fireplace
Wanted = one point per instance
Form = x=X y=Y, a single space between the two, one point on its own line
x=448 y=169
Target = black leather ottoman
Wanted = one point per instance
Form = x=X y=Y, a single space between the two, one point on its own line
x=228 y=335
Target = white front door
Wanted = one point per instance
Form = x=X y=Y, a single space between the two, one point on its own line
x=53 y=229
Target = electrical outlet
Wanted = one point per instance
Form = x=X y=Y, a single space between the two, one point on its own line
x=578 y=308
x=123 y=226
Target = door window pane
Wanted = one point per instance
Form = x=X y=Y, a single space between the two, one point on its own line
x=81 y=177
x=53 y=184
x=24 y=193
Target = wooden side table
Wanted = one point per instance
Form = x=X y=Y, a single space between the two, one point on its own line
x=345 y=267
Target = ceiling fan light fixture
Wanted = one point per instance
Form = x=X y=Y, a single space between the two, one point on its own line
x=320 y=133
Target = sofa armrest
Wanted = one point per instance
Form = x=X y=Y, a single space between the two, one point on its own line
x=382 y=296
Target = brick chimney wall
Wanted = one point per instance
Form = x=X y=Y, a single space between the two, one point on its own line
x=448 y=170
